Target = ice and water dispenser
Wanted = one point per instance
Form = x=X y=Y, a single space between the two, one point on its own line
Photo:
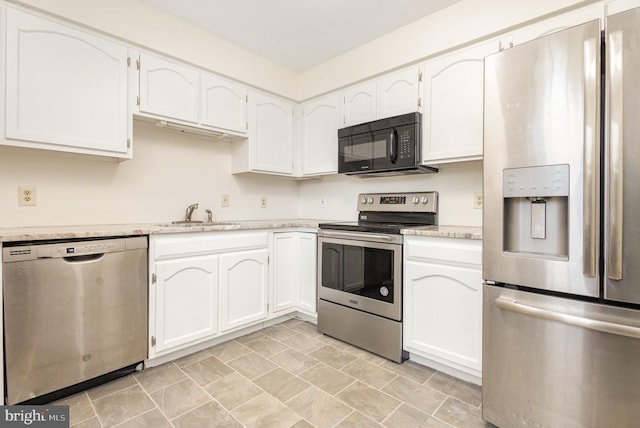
x=536 y=211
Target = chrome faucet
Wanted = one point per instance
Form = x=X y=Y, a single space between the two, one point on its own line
x=209 y=215
x=190 y=209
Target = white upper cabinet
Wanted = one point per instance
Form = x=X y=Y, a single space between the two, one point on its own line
x=269 y=148
x=390 y=95
x=224 y=104
x=319 y=129
x=399 y=92
x=360 y=104
x=169 y=89
x=454 y=105
x=66 y=89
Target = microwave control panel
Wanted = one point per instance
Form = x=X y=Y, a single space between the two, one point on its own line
x=406 y=147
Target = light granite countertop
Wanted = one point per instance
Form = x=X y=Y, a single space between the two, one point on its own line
x=36 y=233
x=460 y=232
x=33 y=233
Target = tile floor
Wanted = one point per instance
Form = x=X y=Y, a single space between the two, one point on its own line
x=287 y=375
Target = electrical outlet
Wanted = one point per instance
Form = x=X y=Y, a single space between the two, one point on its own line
x=26 y=195
x=477 y=200
x=323 y=202
x=263 y=202
x=224 y=200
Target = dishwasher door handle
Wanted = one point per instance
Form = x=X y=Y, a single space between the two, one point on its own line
x=589 y=323
x=87 y=258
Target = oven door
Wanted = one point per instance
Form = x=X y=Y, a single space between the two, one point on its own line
x=362 y=271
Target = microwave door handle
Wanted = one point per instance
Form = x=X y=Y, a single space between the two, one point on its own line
x=393 y=146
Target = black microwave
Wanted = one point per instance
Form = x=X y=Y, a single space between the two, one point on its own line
x=390 y=146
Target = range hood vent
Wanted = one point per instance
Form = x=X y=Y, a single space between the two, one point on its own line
x=191 y=129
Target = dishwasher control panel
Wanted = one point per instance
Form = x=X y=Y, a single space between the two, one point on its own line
x=34 y=251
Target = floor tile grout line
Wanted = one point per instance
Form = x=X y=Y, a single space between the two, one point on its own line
x=154 y=401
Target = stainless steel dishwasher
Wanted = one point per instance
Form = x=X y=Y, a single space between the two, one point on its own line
x=73 y=311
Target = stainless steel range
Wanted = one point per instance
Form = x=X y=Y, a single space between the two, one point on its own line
x=360 y=270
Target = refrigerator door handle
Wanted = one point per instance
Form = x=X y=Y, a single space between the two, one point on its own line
x=591 y=324
x=591 y=156
x=615 y=64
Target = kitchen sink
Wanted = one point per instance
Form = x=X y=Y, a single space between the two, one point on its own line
x=194 y=223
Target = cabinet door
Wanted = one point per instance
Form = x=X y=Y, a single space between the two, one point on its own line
x=320 y=122
x=294 y=272
x=243 y=290
x=308 y=250
x=224 y=104
x=168 y=89
x=399 y=92
x=359 y=104
x=443 y=314
x=186 y=302
x=271 y=134
x=454 y=105
x=64 y=87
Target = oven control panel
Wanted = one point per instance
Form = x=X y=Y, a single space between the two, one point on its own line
x=399 y=202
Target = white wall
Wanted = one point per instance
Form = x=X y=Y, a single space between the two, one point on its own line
x=457 y=25
x=168 y=172
x=456 y=184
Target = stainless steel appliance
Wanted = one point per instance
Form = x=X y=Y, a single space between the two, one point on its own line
x=360 y=270
x=561 y=329
x=390 y=146
x=72 y=311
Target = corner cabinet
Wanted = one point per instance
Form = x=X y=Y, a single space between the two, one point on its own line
x=453 y=99
x=269 y=148
x=66 y=89
x=443 y=304
x=294 y=274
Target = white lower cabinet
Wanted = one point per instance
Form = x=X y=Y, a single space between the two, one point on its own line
x=206 y=285
x=294 y=272
x=186 y=301
x=443 y=304
x=243 y=288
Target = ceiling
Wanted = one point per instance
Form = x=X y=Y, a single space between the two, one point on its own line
x=299 y=34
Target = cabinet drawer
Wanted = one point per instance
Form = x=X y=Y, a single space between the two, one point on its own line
x=189 y=244
x=447 y=250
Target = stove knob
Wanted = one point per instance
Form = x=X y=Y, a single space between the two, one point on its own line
x=425 y=199
x=363 y=200
x=370 y=200
x=416 y=199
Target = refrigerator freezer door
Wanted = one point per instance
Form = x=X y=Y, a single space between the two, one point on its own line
x=622 y=241
x=553 y=362
x=542 y=112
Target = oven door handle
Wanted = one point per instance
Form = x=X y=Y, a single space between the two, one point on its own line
x=354 y=235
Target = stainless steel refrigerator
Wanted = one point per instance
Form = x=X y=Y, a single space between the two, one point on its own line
x=561 y=229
